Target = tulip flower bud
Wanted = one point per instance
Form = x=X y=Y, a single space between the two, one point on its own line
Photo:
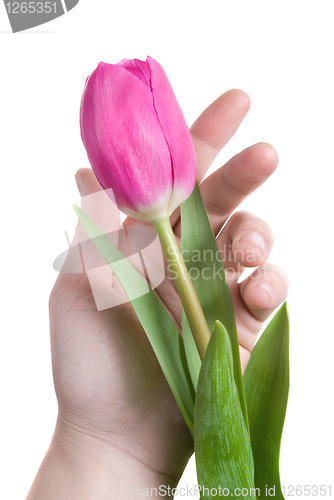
x=137 y=139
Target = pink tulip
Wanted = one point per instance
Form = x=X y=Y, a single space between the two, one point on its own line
x=137 y=139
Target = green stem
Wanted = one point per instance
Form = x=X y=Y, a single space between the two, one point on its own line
x=184 y=285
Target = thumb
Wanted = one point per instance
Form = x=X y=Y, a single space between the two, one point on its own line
x=97 y=203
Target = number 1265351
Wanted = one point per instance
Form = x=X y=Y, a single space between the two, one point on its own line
x=31 y=7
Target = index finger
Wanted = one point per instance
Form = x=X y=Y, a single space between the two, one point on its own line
x=216 y=125
x=213 y=129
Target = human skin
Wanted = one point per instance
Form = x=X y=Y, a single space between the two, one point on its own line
x=118 y=424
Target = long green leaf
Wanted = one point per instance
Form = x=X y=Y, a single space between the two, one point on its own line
x=266 y=381
x=158 y=325
x=203 y=259
x=222 y=444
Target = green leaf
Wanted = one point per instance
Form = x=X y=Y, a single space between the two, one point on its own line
x=160 y=329
x=222 y=445
x=203 y=260
x=266 y=381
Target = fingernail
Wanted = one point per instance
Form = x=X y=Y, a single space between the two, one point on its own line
x=255 y=239
x=266 y=288
x=80 y=183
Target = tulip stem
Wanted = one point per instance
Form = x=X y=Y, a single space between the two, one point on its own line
x=184 y=285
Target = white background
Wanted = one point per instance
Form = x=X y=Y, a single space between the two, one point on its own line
x=281 y=54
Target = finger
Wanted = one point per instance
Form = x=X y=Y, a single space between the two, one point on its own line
x=227 y=187
x=255 y=299
x=83 y=259
x=216 y=125
x=214 y=128
x=98 y=204
x=245 y=241
x=264 y=290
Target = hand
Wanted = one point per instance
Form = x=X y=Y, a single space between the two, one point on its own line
x=118 y=422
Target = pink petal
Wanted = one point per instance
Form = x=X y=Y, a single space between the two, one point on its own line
x=175 y=128
x=138 y=68
x=123 y=137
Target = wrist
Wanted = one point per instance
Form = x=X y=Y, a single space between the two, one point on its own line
x=82 y=466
